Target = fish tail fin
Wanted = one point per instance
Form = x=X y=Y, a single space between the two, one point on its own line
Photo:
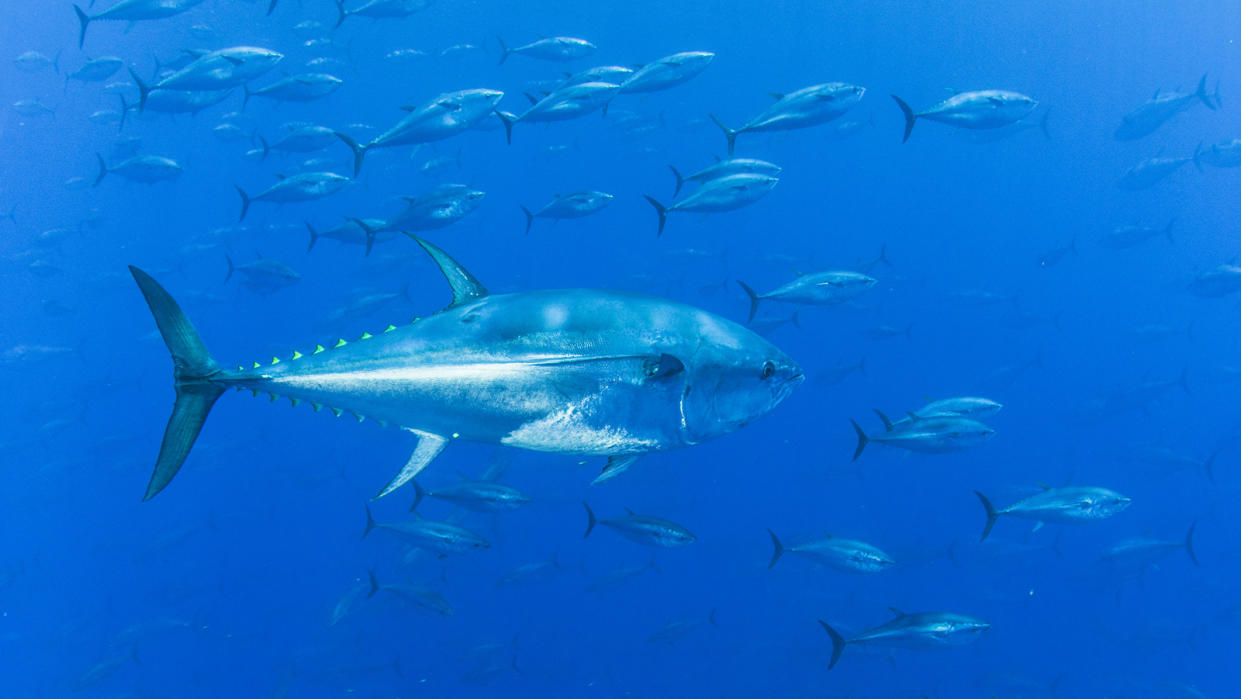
x=529 y=218
x=359 y=151
x=83 y=21
x=992 y=515
x=314 y=236
x=754 y=299
x=507 y=120
x=144 y=90
x=245 y=95
x=370 y=522
x=370 y=231
x=231 y=267
x=267 y=149
x=680 y=180
x=340 y=13
x=245 y=203
x=1201 y=93
x=56 y=65
x=1042 y=124
x=374 y=582
x=125 y=107
x=661 y=210
x=590 y=519
x=910 y=117
x=1189 y=543
x=194 y=372
x=795 y=320
x=883 y=255
x=103 y=170
x=504 y=51
x=862 y=439
x=1197 y=157
x=777 y=549
x=838 y=643
x=711 y=617
x=1218 y=101
x=419 y=494
x=730 y=134
x=271 y=7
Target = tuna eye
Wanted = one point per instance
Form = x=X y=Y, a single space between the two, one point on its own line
x=769 y=370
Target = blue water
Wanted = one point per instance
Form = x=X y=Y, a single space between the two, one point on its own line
x=225 y=583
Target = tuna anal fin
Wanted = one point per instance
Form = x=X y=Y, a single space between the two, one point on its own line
x=429 y=447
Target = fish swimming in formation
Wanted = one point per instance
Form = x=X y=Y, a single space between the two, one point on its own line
x=33 y=61
x=642 y=529
x=1159 y=109
x=932 y=435
x=352 y=232
x=1067 y=505
x=601 y=372
x=96 y=70
x=984 y=109
x=307 y=138
x=212 y=72
x=809 y=106
x=133 y=11
x=575 y=205
x=476 y=496
x=845 y=555
x=556 y=48
x=921 y=631
x=438 y=208
x=827 y=288
x=306 y=186
x=667 y=72
x=445 y=115
x=722 y=194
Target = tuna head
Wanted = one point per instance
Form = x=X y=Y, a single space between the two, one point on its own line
x=734 y=378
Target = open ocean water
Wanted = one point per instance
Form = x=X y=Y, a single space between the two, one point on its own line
x=1005 y=252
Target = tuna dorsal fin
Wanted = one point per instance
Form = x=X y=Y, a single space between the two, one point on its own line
x=629 y=512
x=281 y=177
x=897 y=612
x=615 y=466
x=913 y=417
x=1044 y=486
x=887 y=423
x=1156 y=95
x=408 y=108
x=776 y=95
x=532 y=98
x=827 y=534
x=465 y=287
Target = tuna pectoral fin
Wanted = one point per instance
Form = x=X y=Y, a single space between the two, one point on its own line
x=992 y=515
x=429 y=447
x=615 y=466
x=910 y=117
x=193 y=371
x=838 y=644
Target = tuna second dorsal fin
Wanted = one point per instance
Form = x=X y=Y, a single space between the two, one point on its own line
x=776 y=95
x=897 y=612
x=465 y=287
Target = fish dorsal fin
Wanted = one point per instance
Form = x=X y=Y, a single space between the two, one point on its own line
x=1156 y=95
x=899 y=614
x=887 y=423
x=776 y=95
x=281 y=177
x=462 y=476
x=1044 y=486
x=449 y=105
x=465 y=287
x=827 y=534
x=928 y=399
x=532 y=98
x=630 y=512
x=913 y=417
x=717 y=158
x=615 y=466
x=408 y=108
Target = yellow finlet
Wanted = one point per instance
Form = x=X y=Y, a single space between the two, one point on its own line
x=340 y=343
x=294 y=401
x=336 y=411
x=318 y=349
x=365 y=336
x=273 y=397
x=275 y=361
x=390 y=328
x=297 y=355
x=317 y=406
x=256 y=366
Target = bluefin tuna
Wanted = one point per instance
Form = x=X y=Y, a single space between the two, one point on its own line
x=1223 y=154
x=352 y=232
x=642 y=529
x=132 y=11
x=96 y=70
x=827 y=288
x=1123 y=237
x=714 y=196
x=143 y=168
x=417 y=595
x=1157 y=110
x=845 y=555
x=934 y=435
x=556 y=48
x=303 y=87
x=476 y=496
x=569 y=103
x=667 y=72
x=212 y=72
x=380 y=9
x=306 y=138
x=1151 y=171
x=438 y=537
x=1143 y=551
x=575 y=205
x=446 y=115
x=306 y=186
x=809 y=106
x=1217 y=282
x=921 y=631
x=1067 y=505
x=984 y=109
x=598 y=372
x=724 y=168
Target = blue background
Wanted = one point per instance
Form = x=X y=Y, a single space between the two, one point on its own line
x=224 y=584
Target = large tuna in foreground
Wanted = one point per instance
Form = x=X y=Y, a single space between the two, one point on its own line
x=574 y=371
